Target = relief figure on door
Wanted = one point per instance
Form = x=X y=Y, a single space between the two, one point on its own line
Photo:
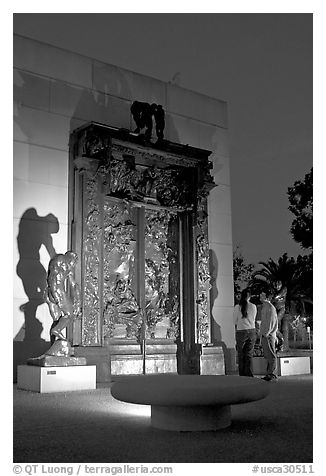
x=122 y=314
x=122 y=309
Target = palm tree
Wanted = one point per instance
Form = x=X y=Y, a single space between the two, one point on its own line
x=296 y=276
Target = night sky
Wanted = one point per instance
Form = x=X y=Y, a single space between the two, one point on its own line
x=260 y=63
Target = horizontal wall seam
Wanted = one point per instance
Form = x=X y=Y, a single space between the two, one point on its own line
x=224 y=307
x=223 y=184
x=223 y=213
x=40 y=183
x=196 y=120
x=225 y=275
x=69 y=83
x=41 y=146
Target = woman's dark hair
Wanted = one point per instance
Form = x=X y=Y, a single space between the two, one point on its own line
x=243 y=303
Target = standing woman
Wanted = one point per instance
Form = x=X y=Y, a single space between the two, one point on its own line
x=244 y=315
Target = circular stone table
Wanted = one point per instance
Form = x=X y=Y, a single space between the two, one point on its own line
x=189 y=402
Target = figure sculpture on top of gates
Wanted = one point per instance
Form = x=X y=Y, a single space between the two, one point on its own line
x=142 y=113
x=62 y=294
x=159 y=116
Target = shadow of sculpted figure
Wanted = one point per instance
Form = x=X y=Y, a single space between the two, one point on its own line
x=62 y=293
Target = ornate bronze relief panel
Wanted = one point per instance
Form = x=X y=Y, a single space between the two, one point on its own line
x=122 y=316
x=110 y=260
x=203 y=275
x=91 y=259
x=162 y=274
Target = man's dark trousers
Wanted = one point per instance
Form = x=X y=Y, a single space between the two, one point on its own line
x=268 y=343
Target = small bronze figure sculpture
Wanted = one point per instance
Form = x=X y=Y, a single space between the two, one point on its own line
x=62 y=293
x=142 y=113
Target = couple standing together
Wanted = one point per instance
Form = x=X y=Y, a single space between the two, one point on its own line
x=244 y=317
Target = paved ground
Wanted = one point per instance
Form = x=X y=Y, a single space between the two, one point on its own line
x=91 y=426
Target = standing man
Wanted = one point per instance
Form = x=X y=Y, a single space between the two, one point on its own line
x=268 y=329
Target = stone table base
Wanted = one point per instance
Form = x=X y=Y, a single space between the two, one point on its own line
x=191 y=418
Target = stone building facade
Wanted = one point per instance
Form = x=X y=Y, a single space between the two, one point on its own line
x=56 y=93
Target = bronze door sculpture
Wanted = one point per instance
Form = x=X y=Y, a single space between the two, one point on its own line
x=139 y=224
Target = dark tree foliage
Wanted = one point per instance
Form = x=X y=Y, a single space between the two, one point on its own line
x=296 y=275
x=304 y=278
x=265 y=278
x=242 y=272
x=300 y=198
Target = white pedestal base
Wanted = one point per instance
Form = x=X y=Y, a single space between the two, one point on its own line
x=191 y=418
x=285 y=365
x=56 y=379
x=294 y=365
x=212 y=361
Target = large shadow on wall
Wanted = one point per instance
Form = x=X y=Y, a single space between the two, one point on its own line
x=217 y=337
x=34 y=231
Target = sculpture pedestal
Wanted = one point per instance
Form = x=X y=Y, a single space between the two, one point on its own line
x=161 y=357
x=212 y=360
x=127 y=359
x=56 y=379
x=294 y=365
x=286 y=365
